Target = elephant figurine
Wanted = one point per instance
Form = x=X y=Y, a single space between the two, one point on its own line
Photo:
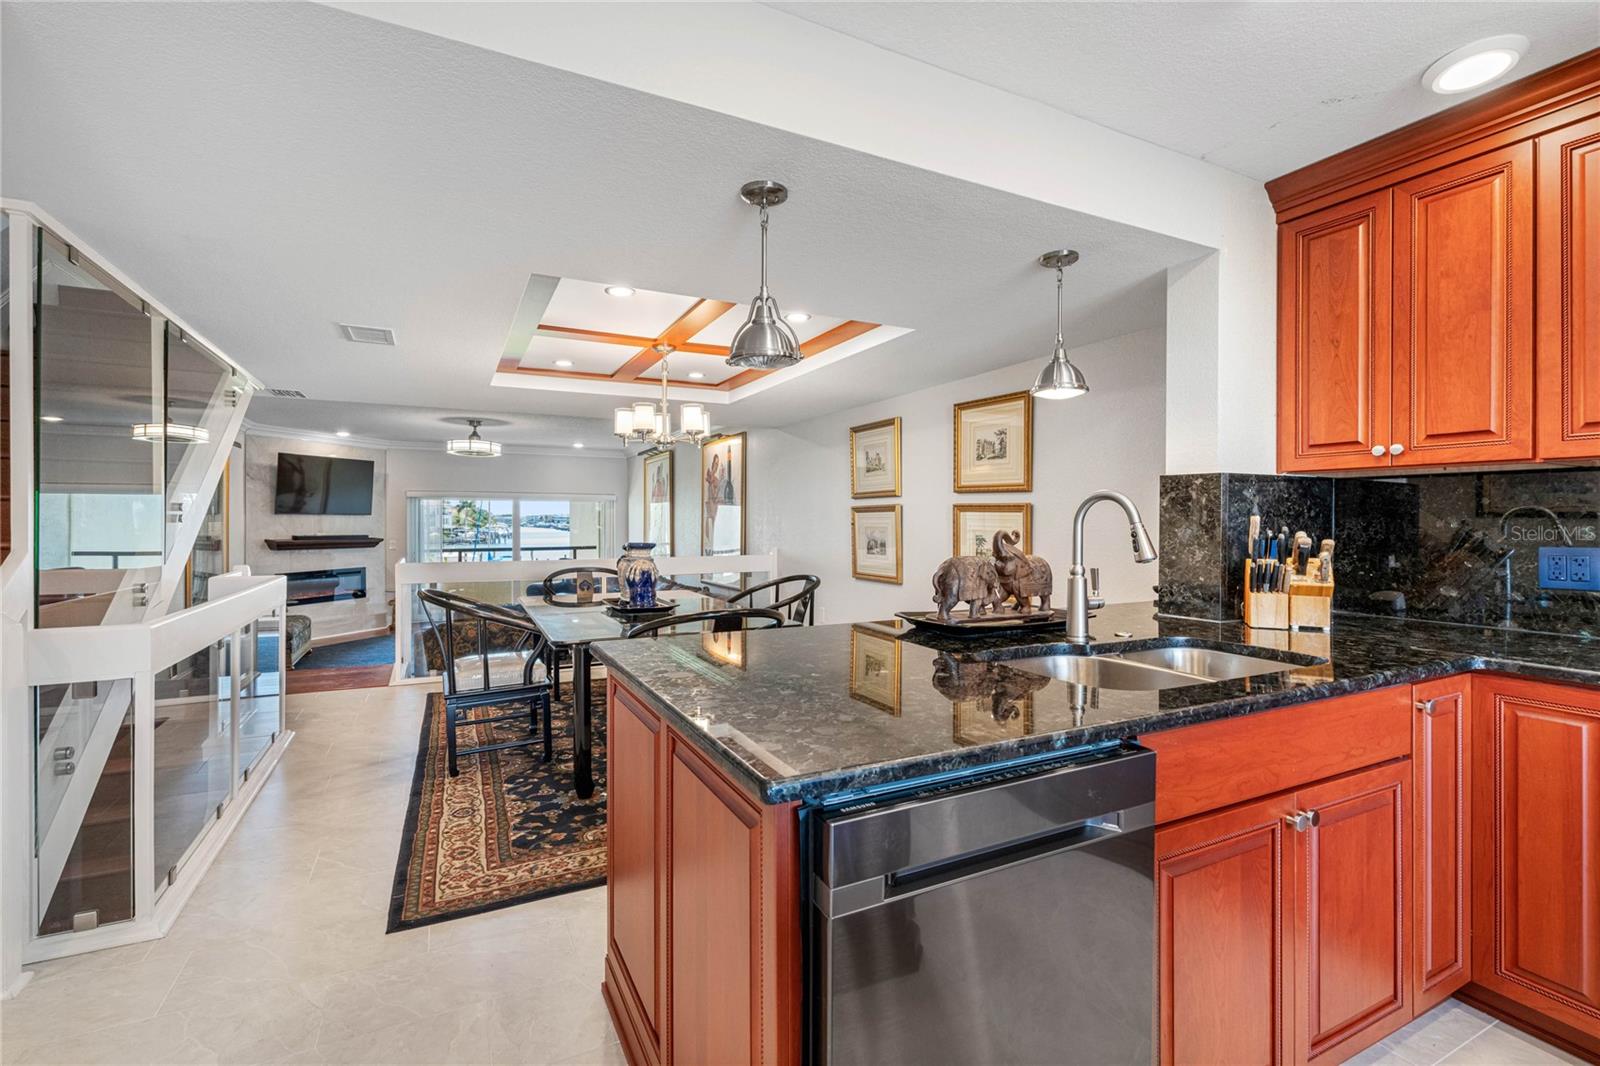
x=966 y=579
x=1022 y=576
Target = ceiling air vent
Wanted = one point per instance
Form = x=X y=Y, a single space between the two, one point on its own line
x=367 y=334
x=287 y=394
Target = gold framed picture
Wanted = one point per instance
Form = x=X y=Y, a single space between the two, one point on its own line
x=722 y=495
x=875 y=543
x=658 y=501
x=875 y=459
x=973 y=526
x=875 y=669
x=994 y=444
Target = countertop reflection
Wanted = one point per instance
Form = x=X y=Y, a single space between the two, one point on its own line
x=803 y=712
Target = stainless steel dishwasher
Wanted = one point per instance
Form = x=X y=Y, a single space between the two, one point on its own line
x=1005 y=921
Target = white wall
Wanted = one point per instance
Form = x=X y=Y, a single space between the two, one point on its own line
x=799 y=480
x=569 y=471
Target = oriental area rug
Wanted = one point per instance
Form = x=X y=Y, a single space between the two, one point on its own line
x=508 y=830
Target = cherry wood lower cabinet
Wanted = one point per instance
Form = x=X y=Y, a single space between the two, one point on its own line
x=703 y=951
x=1536 y=855
x=1441 y=789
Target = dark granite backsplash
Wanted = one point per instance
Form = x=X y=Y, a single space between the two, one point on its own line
x=1444 y=541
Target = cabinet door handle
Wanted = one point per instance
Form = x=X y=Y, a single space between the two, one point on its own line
x=1378 y=450
x=1427 y=708
x=1300 y=821
x=1396 y=449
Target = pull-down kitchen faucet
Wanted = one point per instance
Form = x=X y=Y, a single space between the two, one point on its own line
x=1080 y=597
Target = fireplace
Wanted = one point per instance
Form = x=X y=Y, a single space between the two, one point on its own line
x=327 y=586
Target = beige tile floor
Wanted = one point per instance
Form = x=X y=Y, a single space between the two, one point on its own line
x=281 y=956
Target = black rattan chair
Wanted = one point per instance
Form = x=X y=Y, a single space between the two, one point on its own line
x=796 y=606
x=460 y=625
x=728 y=621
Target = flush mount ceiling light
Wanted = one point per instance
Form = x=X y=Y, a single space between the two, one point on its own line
x=651 y=424
x=1475 y=64
x=473 y=446
x=618 y=290
x=1059 y=380
x=154 y=432
x=765 y=341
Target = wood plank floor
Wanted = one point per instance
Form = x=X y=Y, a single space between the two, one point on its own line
x=338 y=678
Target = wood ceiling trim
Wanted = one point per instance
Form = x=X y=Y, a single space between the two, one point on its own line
x=590 y=375
x=700 y=315
x=844 y=331
x=626 y=340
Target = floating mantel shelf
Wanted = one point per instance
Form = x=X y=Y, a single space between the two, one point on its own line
x=321 y=543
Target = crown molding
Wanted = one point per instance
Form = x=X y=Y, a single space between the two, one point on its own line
x=356 y=441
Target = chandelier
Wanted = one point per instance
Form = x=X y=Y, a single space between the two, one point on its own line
x=651 y=423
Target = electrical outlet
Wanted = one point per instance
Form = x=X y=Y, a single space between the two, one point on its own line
x=1569 y=568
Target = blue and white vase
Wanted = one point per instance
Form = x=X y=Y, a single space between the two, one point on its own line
x=637 y=574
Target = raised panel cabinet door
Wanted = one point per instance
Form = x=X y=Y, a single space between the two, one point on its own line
x=1463 y=312
x=1538 y=912
x=1568 y=221
x=635 y=886
x=1441 y=790
x=1352 y=981
x=1221 y=941
x=1334 y=337
x=714 y=849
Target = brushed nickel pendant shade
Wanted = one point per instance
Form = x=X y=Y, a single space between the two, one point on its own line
x=765 y=341
x=1060 y=379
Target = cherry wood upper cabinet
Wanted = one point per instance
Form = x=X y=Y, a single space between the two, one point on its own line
x=1568 y=249
x=1334 y=336
x=1463 y=312
x=1221 y=942
x=1537 y=867
x=1441 y=790
x=1352 y=911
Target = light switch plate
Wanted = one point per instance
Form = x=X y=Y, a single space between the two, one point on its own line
x=1569 y=568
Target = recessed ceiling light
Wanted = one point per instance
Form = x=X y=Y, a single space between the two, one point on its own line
x=1475 y=64
x=341 y=433
x=577 y=444
x=49 y=418
x=618 y=290
x=696 y=374
x=563 y=363
x=798 y=316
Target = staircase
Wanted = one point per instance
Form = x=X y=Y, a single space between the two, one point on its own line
x=98 y=876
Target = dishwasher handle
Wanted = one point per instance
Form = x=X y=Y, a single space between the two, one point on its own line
x=933 y=875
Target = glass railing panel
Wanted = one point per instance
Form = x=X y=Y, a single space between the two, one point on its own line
x=92 y=882
x=99 y=533
x=209 y=556
x=199 y=403
x=260 y=688
x=193 y=752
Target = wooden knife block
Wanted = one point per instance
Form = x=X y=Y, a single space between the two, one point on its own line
x=1264 y=610
x=1307 y=605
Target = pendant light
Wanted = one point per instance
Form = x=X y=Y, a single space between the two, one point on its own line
x=765 y=341
x=473 y=446
x=1059 y=380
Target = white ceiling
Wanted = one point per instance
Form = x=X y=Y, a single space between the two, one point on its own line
x=1258 y=88
x=269 y=170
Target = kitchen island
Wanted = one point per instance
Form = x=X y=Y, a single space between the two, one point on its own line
x=720 y=746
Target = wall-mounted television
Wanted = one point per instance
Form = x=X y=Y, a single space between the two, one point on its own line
x=323 y=484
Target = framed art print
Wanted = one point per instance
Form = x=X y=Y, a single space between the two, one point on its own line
x=875 y=543
x=658 y=501
x=994 y=444
x=973 y=526
x=875 y=459
x=722 y=492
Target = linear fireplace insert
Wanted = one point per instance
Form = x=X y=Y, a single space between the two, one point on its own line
x=326 y=586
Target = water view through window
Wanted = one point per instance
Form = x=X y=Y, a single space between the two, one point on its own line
x=497 y=528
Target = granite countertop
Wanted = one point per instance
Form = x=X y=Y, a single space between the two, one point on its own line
x=802 y=713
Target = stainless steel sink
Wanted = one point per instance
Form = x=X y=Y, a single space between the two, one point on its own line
x=1104 y=671
x=1152 y=668
x=1208 y=663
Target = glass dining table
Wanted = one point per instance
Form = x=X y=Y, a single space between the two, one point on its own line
x=573 y=627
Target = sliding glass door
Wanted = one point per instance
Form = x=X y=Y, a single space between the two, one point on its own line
x=494 y=528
